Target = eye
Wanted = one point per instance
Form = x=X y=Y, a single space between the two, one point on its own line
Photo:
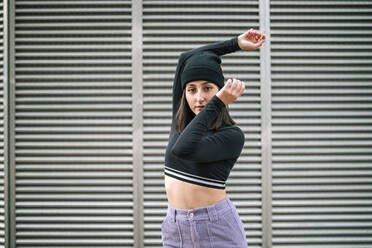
x=209 y=88
x=190 y=89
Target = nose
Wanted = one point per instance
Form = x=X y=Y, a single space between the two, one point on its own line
x=200 y=96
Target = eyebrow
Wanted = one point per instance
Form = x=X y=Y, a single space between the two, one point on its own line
x=205 y=82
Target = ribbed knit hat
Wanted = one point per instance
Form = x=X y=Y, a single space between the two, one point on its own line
x=203 y=66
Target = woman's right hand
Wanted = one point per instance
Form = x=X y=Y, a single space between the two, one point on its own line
x=231 y=91
x=250 y=40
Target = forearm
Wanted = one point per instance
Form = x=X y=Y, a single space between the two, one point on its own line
x=219 y=48
x=194 y=131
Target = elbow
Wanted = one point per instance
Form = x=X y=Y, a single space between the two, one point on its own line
x=177 y=152
x=182 y=153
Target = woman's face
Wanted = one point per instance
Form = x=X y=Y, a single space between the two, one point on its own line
x=199 y=93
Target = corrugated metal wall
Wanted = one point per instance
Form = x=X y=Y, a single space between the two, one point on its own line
x=73 y=124
x=74 y=183
x=321 y=123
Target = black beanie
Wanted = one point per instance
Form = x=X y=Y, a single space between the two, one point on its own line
x=203 y=66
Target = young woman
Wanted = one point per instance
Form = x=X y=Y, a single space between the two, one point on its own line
x=204 y=143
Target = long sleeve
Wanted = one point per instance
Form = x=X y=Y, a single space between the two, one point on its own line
x=194 y=144
x=219 y=48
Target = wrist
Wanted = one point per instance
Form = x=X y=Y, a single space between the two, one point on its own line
x=240 y=42
x=221 y=97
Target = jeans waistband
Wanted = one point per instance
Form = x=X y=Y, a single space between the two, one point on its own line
x=210 y=212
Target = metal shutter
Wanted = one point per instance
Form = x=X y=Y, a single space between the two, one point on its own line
x=73 y=124
x=170 y=27
x=3 y=133
x=321 y=123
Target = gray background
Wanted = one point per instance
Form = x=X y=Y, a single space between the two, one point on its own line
x=86 y=106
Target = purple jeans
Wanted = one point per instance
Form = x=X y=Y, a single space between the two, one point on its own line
x=214 y=226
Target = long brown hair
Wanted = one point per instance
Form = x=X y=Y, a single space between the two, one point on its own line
x=185 y=115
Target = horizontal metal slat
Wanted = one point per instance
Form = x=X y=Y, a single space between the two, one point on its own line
x=68 y=10
x=71 y=2
x=76 y=183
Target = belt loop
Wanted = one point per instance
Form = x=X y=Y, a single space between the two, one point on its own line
x=174 y=215
x=212 y=213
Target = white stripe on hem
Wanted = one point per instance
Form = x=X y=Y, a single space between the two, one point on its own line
x=185 y=173
x=195 y=180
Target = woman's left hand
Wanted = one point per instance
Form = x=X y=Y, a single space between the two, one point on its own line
x=250 y=40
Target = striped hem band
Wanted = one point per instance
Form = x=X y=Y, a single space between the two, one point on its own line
x=196 y=179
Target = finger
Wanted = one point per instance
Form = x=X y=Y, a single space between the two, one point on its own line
x=241 y=84
x=251 y=33
x=238 y=86
x=243 y=87
x=233 y=84
x=257 y=35
x=229 y=82
x=260 y=42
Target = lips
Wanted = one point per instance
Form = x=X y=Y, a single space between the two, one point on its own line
x=200 y=107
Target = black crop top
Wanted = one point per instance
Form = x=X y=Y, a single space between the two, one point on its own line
x=198 y=155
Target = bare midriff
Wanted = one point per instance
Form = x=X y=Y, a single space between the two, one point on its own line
x=183 y=195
